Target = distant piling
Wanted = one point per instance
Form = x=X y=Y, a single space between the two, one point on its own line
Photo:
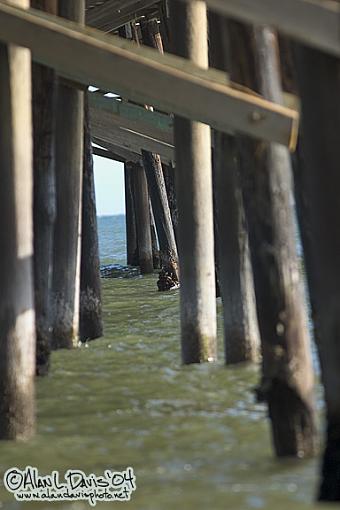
x=132 y=257
x=156 y=183
x=160 y=205
x=142 y=218
x=154 y=240
x=170 y=183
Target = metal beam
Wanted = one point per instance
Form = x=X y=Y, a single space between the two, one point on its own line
x=168 y=82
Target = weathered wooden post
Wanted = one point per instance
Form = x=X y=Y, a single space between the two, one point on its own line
x=132 y=258
x=241 y=333
x=17 y=320
x=90 y=314
x=44 y=210
x=69 y=163
x=160 y=205
x=169 y=178
x=194 y=198
x=318 y=77
x=287 y=382
x=142 y=218
x=154 y=240
x=156 y=183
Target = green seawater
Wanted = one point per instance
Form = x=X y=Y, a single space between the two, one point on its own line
x=194 y=435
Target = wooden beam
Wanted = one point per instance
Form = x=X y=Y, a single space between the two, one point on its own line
x=120 y=152
x=136 y=118
x=104 y=128
x=312 y=22
x=168 y=82
x=104 y=153
x=126 y=115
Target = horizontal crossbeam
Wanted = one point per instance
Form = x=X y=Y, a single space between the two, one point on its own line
x=141 y=74
x=120 y=154
x=102 y=127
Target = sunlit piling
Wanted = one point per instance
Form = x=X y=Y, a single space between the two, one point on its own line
x=17 y=320
x=194 y=199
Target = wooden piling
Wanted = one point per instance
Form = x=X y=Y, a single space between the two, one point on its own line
x=44 y=209
x=287 y=381
x=160 y=205
x=90 y=313
x=142 y=218
x=241 y=332
x=17 y=320
x=319 y=187
x=69 y=162
x=170 y=184
x=156 y=183
x=194 y=198
x=132 y=257
x=154 y=240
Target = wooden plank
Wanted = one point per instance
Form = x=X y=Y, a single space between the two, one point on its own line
x=104 y=153
x=313 y=22
x=103 y=127
x=153 y=124
x=121 y=152
x=168 y=82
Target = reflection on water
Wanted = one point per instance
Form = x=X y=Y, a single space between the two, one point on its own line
x=194 y=435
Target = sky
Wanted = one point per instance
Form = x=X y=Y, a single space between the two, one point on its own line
x=109 y=186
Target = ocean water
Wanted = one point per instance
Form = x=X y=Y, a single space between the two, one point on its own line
x=194 y=435
x=112 y=239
